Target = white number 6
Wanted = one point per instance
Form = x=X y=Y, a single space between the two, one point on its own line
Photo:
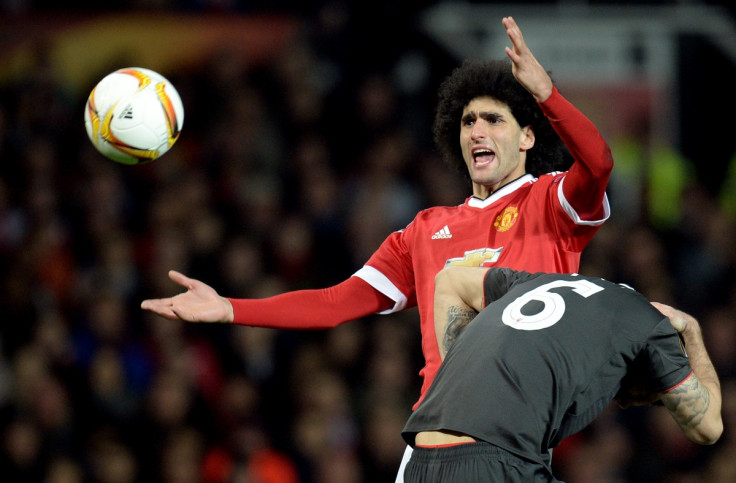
x=554 y=304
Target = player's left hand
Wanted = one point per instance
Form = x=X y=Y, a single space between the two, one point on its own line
x=678 y=319
x=527 y=70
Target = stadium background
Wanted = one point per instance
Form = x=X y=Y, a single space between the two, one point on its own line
x=306 y=141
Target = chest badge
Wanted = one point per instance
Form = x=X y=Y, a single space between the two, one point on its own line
x=506 y=219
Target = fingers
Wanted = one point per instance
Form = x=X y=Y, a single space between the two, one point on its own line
x=678 y=319
x=162 y=307
x=165 y=307
x=514 y=33
x=180 y=278
x=509 y=23
x=665 y=309
x=518 y=49
x=197 y=304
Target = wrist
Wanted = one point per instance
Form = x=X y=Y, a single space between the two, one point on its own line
x=229 y=311
x=691 y=332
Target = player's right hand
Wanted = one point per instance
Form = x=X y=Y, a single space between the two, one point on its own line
x=200 y=302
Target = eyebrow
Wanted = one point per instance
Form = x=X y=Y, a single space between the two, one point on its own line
x=483 y=115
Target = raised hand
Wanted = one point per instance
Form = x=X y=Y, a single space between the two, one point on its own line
x=527 y=70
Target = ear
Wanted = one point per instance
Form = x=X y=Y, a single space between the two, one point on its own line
x=526 y=139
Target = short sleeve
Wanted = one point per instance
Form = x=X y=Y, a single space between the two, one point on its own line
x=389 y=270
x=667 y=361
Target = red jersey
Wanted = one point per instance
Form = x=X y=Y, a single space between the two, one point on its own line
x=523 y=225
x=528 y=225
x=536 y=225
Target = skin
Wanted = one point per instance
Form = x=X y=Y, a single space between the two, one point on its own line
x=200 y=302
x=527 y=70
x=493 y=145
x=459 y=296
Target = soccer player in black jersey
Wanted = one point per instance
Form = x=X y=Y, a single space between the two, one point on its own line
x=530 y=359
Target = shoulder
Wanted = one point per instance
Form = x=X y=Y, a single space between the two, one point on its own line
x=428 y=218
x=553 y=177
x=543 y=182
x=441 y=211
x=545 y=187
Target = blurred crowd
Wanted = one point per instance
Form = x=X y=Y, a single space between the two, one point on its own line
x=287 y=175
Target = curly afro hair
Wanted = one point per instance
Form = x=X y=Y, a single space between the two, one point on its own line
x=494 y=79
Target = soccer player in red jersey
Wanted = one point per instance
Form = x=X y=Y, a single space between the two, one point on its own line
x=530 y=209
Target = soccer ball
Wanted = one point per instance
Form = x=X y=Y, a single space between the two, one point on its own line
x=133 y=115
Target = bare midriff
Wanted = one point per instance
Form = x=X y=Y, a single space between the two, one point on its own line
x=442 y=437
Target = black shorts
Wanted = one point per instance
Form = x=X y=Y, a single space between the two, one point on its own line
x=473 y=462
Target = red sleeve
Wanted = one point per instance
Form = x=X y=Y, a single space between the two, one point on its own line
x=585 y=183
x=312 y=309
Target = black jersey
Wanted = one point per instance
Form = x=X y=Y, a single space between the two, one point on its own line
x=544 y=358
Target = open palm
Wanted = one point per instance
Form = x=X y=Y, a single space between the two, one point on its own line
x=200 y=302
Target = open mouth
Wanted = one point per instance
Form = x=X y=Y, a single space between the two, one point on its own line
x=483 y=156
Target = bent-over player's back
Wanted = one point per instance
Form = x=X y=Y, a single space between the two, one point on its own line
x=542 y=361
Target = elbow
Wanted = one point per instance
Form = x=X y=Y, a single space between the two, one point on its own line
x=609 y=159
x=708 y=433
x=715 y=432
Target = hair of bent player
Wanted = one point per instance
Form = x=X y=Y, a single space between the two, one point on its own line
x=494 y=78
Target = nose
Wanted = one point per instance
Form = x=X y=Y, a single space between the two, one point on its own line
x=477 y=132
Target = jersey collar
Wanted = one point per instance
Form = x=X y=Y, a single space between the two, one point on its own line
x=476 y=202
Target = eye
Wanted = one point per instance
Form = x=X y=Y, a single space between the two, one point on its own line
x=468 y=119
x=494 y=119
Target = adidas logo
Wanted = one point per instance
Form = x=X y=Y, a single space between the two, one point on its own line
x=127 y=113
x=442 y=234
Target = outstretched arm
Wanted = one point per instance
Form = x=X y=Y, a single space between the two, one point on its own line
x=301 y=309
x=458 y=297
x=696 y=402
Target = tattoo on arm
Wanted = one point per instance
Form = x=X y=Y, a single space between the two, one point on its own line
x=457 y=319
x=688 y=402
